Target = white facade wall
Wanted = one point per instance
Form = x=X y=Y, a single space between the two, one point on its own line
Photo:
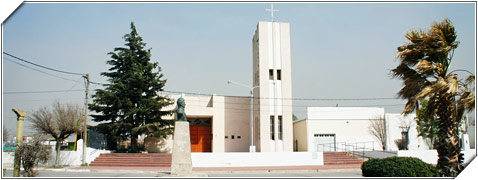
x=300 y=135
x=230 y=116
x=237 y=124
x=350 y=125
x=472 y=136
x=394 y=132
x=431 y=156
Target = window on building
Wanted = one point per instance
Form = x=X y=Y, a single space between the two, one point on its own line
x=272 y=128
x=279 y=119
x=278 y=74
x=271 y=74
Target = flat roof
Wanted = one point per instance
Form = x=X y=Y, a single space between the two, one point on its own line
x=329 y=113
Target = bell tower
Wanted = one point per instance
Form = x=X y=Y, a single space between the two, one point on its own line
x=272 y=77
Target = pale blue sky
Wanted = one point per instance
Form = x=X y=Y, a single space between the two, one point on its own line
x=339 y=50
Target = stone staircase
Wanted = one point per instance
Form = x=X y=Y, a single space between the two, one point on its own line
x=133 y=160
x=340 y=158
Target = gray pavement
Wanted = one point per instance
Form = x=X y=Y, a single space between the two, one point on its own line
x=319 y=173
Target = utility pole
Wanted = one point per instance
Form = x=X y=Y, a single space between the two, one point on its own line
x=17 y=162
x=85 y=126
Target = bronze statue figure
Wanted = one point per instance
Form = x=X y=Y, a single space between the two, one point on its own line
x=180 y=113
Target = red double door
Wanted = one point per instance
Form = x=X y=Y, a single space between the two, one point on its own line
x=201 y=138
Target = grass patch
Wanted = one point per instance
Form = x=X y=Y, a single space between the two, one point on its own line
x=56 y=167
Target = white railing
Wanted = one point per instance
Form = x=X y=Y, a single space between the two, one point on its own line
x=356 y=148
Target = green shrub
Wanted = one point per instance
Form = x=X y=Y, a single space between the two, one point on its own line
x=398 y=167
x=32 y=153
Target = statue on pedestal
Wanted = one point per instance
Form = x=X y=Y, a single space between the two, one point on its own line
x=181 y=163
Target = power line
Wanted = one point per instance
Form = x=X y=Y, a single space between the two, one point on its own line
x=81 y=74
x=40 y=70
x=294 y=99
x=30 y=92
x=96 y=83
x=297 y=99
x=37 y=100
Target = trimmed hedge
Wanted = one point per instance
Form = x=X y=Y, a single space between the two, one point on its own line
x=398 y=167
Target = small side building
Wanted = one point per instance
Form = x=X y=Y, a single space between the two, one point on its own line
x=349 y=128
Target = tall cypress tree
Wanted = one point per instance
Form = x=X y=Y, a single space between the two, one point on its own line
x=129 y=104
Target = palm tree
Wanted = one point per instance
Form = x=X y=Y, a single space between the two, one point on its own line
x=425 y=70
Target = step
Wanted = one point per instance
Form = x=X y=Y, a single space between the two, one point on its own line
x=335 y=163
x=348 y=161
x=157 y=156
x=131 y=165
x=119 y=161
x=145 y=163
x=340 y=158
x=133 y=160
x=136 y=155
x=331 y=160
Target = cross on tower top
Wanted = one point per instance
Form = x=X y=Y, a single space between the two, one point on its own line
x=272 y=11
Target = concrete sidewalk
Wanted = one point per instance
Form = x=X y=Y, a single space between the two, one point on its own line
x=215 y=169
x=207 y=170
x=263 y=171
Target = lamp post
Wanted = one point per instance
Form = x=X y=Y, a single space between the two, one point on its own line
x=252 y=148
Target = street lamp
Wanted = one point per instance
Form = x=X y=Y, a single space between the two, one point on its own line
x=252 y=148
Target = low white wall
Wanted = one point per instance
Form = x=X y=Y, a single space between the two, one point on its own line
x=428 y=156
x=256 y=159
x=68 y=158
x=431 y=156
x=7 y=157
x=74 y=158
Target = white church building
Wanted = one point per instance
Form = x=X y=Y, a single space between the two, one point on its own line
x=233 y=127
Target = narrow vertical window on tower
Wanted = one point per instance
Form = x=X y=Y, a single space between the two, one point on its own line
x=272 y=128
x=279 y=121
x=271 y=74
x=278 y=75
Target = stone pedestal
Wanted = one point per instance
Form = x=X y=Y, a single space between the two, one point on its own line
x=181 y=161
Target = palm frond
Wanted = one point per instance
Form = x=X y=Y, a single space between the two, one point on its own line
x=452 y=83
x=424 y=66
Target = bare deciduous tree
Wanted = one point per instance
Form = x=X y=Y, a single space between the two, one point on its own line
x=402 y=143
x=60 y=123
x=377 y=128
